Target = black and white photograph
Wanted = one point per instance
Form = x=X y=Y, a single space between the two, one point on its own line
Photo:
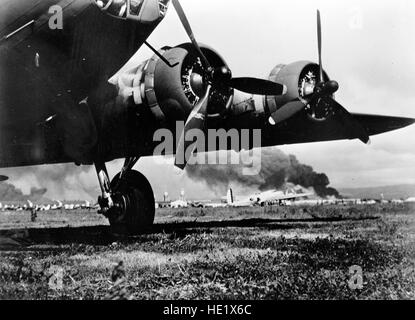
x=189 y=150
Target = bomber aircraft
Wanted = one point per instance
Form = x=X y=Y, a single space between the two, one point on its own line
x=66 y=96
x=264 y=197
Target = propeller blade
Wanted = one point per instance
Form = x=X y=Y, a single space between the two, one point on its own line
x=258 y=86
x=319 y=39
x=196 y=120
x=355 y=127
x=287 y=111
x=3 y=178
x=188 y=28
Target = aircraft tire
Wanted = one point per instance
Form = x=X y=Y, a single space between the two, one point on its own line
x=136 y=206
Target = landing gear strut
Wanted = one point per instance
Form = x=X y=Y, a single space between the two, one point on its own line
x=127 y=201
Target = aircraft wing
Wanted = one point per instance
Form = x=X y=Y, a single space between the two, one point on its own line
x=293 y=196
x=284 y=197
x=302 y=129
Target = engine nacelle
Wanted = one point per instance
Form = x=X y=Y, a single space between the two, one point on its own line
x=171 y=91
x=300 y=78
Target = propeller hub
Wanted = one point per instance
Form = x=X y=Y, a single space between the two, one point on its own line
x=319 y=88
x=197 y=84
x=326 y=88
x=222 y=74
x=332 y=86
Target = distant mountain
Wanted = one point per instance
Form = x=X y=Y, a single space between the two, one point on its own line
x=402 y=191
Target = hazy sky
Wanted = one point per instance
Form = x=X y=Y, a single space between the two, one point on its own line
x=368 y=47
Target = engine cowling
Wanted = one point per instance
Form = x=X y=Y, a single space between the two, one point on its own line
x=178 y=89
x=172 y=91
x=300 y=78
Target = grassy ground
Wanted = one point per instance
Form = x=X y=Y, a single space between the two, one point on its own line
x=224 y=253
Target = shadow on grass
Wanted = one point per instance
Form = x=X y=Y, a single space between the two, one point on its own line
x=22 y=239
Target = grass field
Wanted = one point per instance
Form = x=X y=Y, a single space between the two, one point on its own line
x=224 y=253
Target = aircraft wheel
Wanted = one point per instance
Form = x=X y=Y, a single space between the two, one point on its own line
x=134 y=204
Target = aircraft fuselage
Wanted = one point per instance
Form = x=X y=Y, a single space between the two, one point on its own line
x=46 y=73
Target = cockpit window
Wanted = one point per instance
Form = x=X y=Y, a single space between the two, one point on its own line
x=164 y=5
x=135 y=7
x=145 y=11
x=116 y=8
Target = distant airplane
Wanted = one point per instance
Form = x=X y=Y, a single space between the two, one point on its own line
x=69 y=206
x=86 y=205
x=278 y=195
x=263 y=198
x=215 y=204
x=30 y=204
x=57 y=206
x=179 y=204
x=230 y=200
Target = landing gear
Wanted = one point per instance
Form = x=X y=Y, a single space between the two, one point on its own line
x=128 y=201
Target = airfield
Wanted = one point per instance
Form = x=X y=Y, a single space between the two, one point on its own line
x=276 y=252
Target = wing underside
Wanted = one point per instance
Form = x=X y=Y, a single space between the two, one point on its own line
x=303 y=129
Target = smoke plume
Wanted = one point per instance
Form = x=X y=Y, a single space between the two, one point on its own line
x=277 y=169
x=9 y=192
x=69 y=182
x=63 y=181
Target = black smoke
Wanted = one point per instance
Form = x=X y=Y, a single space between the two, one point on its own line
x=8 y=192
x=62 y=181
x=276 y=170
x=219 y=177
x=37 y=193
x=304 y=175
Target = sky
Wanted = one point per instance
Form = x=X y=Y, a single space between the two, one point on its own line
x=368 y=48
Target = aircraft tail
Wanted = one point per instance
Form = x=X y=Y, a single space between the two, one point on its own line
x=229 y=196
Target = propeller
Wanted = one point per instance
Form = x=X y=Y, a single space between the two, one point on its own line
x=3 y=178
x=257 y=86
x=287 y=111
x=196 y=120
x=319 y=41
x=189 y=31
x=322 y=87
x=322 y=94
x=221 y=76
